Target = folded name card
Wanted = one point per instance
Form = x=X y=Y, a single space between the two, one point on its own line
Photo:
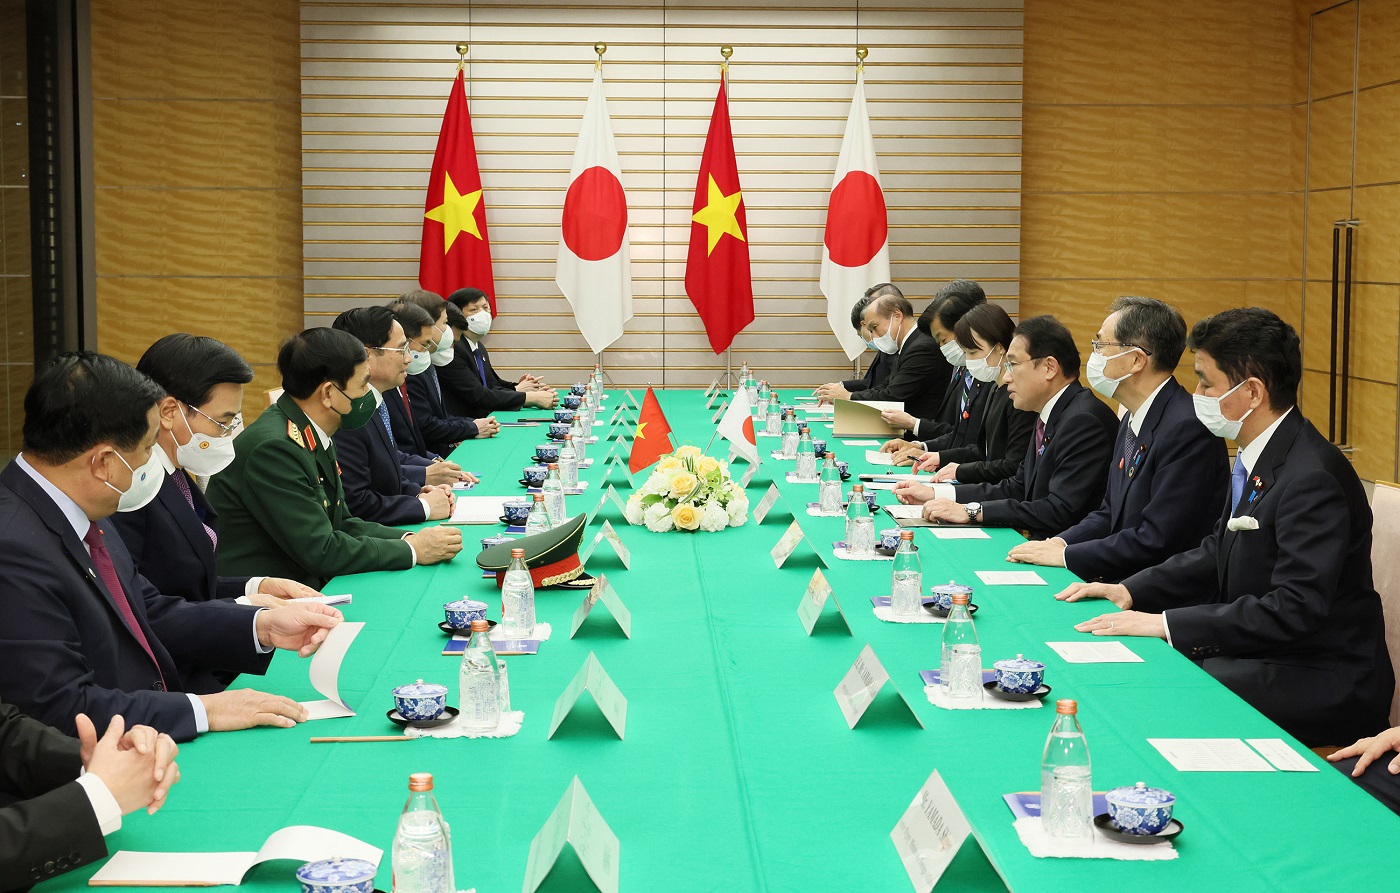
x=818 y=593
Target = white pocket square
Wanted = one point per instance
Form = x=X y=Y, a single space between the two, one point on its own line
x=1244 y=522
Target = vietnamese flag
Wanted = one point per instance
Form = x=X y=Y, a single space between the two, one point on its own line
x=652 y=439
x=456 y=251
x=717 y=275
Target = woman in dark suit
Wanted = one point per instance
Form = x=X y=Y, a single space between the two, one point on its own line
x=984 y=332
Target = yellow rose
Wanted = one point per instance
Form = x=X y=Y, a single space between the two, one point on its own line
x=688 y=452
x=707 y=466
x=685 y=517
x=669 y=463
x=683 y=484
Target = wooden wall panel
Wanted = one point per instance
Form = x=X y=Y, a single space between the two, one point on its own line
x=1379 y=59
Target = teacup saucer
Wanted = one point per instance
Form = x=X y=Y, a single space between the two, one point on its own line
x=454 y=631
x=997 y=692
x=881 y=550
x=509 y=523
x=936 y=611
x=446 y=716
x=525 y=483
x=1109 y=828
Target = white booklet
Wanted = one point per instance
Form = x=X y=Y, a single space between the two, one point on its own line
x=478 y=510
x=303 y=843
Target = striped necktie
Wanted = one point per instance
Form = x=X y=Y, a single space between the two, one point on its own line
x=182 y=483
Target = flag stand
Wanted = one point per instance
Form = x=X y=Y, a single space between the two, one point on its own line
x=728 y=368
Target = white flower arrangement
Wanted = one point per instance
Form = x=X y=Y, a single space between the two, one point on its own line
x=688 y=491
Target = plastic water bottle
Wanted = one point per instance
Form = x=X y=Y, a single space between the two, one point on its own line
x=553 y=492
x=752 y=387
x=806 y=457
x=517 y=599
x=744 y=372
x=907 y=579
x=829 y=490
x=538 y=519
x=598 y=374
x=855 y=507
x=478 y=682
x=773 y=421
x=1066 y=784
x=789 y=442
x=578 y=435
x=960 y=669
x=422 y=854
x=568 y=463
x=763 y=392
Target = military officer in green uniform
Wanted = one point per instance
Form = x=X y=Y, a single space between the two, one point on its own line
x=280 y=503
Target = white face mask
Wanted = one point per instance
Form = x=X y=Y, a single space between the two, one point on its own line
x=418 y=362
x=203 y=454
x=981 y=370
x=145 y=484
x=443 y=356
x=479 y=323
x=1209 y=413
x=1100 y=382
x=953 y=353
x=885 y=343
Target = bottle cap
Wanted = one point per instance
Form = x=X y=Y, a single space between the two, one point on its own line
x=554 y=466
x=420 y=781
x=858 y=488
x=539 y=497
x=961 y=598
x=517 y=553
x=568 y=438
x=481 y=626
x=906 y=535
x=1067 y=707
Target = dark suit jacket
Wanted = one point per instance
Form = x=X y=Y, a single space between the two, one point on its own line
x=1002 y=440
x=917 y=379
x=955 y=426
x=170 y=549
x=876 y=374
x=47 y=825
x=67 y=649
x=1286 y=616
x=408 y=437
x=373 y=474
x=466 y=394
x=441 y=431
x=1160 y=500
x=1056 y=489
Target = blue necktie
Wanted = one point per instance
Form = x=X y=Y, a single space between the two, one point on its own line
x=1237 y=476
x=480 y=365
x=966 y=392
x=384 y=420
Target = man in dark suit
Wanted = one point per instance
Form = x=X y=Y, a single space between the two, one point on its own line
x=470 y=386
x=920 y=372
x=1168 y=473
x=1064 y=473
x=878 y=372
x=64 y=795
x=1277 y=603
x=83 y=631
x=382 y=483
x=281 y=501
x=442 y=431
x=172 y=540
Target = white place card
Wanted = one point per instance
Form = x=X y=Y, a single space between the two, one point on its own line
x=748 y=475
x=862 y=683
x=818 y=593
x=710 y=391
x=603 y=591
x=303 y=843
x=1277 y=751
x=1010 y=578
x=610 y=535
x=592 y=678
x=325 y=672
x=719 y=413
x=765 y=504
x=960 y=533
x=1210 y=755
x=1095 y=652
x=632 y=398
x=788 y=543
x=930 y=833
x=577 y=822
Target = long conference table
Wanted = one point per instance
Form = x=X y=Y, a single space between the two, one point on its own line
x=738 y=772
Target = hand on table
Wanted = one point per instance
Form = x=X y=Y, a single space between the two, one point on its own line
x=301 y=627
x=945 y=511
x=436 y=544
x=280 y=589
x=927 y=462
x=909 y=456
x=1125 y=623
x=543 y=398
x=1368 y=750
x=831 y=392
x=895 y=445
x=439 y=502
x=910 y=493
x=444 y=472
x=487 y=427
x=1114 y=592
x=137 y=765
x=1046 y=553
x=244 y=708
x=945 y=474
x=898 y=418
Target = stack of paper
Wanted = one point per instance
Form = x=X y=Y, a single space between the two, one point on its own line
x=478 y=510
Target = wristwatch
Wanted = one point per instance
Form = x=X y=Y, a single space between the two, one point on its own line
x=973 y=510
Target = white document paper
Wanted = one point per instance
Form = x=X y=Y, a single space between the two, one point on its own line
x=960 y=533
x=1095 y=652
x=1210 y=755
x=1010 y=578
x=904 y=512
x=875 y=457
x=861 y=443
x=303 y=843
x=478 y=510
x=325 y=672
x=343 y=599
x=1277 y=751
x=930 y=833
x=879 y=485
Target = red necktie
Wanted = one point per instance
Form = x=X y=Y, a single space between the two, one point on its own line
x=407 y=407
x=103 y=560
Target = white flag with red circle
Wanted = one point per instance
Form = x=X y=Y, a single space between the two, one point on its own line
x=856 y=249
x=594 y=269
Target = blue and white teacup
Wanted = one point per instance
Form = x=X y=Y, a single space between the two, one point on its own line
x=533 y=475
x=517 y=510
x=943 y=595
x=462 y=612
x=578 y=389
x=1140 y=809
x=563 y=415
x=489 y=541
x=572 y=401
x=819 y=447
x=546 y=452
x=844 y=468
x=557 y=430
x=871 y=498
x=420 y=700
x=1019 y=676
x=337 y=876
x=889 y=539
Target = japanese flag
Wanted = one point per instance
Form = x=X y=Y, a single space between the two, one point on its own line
x=737 y=426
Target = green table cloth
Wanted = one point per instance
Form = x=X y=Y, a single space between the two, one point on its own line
x=738 y=772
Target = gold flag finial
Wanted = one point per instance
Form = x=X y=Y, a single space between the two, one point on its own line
x=861 y=53
x=726 y=51
x=600 y=48
x=461 y=55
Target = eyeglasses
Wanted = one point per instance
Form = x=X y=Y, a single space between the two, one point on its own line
x=1096 y=346
x=401 y=351
x=225 y=430
x=1010 y=366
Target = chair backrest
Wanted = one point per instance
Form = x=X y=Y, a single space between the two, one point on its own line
x=273 y=395
x=1385 y=547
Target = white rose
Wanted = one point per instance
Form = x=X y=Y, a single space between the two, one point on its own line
x=738 y=510
x=714 y=518
x=658 y=518
x=633 y=511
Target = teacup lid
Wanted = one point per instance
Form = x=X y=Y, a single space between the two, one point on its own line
x=1140 y=795
x=1018 y=664
x=951 y=588
x=465 y=604
x=420 y=689
x=337 y=871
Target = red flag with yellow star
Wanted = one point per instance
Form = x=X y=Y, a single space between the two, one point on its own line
x=717 y=275
x=653 y=437
x=456 y=250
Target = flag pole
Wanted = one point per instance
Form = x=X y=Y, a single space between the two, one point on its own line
x=725 y=52
x=861 y=53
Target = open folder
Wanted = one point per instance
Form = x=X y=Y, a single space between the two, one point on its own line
x=303 y=843
x=855 y=418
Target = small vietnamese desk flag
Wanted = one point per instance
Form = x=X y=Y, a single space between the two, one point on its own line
x=653 y=437
x=856 y=247
x=717 y=275
x=456 y=251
